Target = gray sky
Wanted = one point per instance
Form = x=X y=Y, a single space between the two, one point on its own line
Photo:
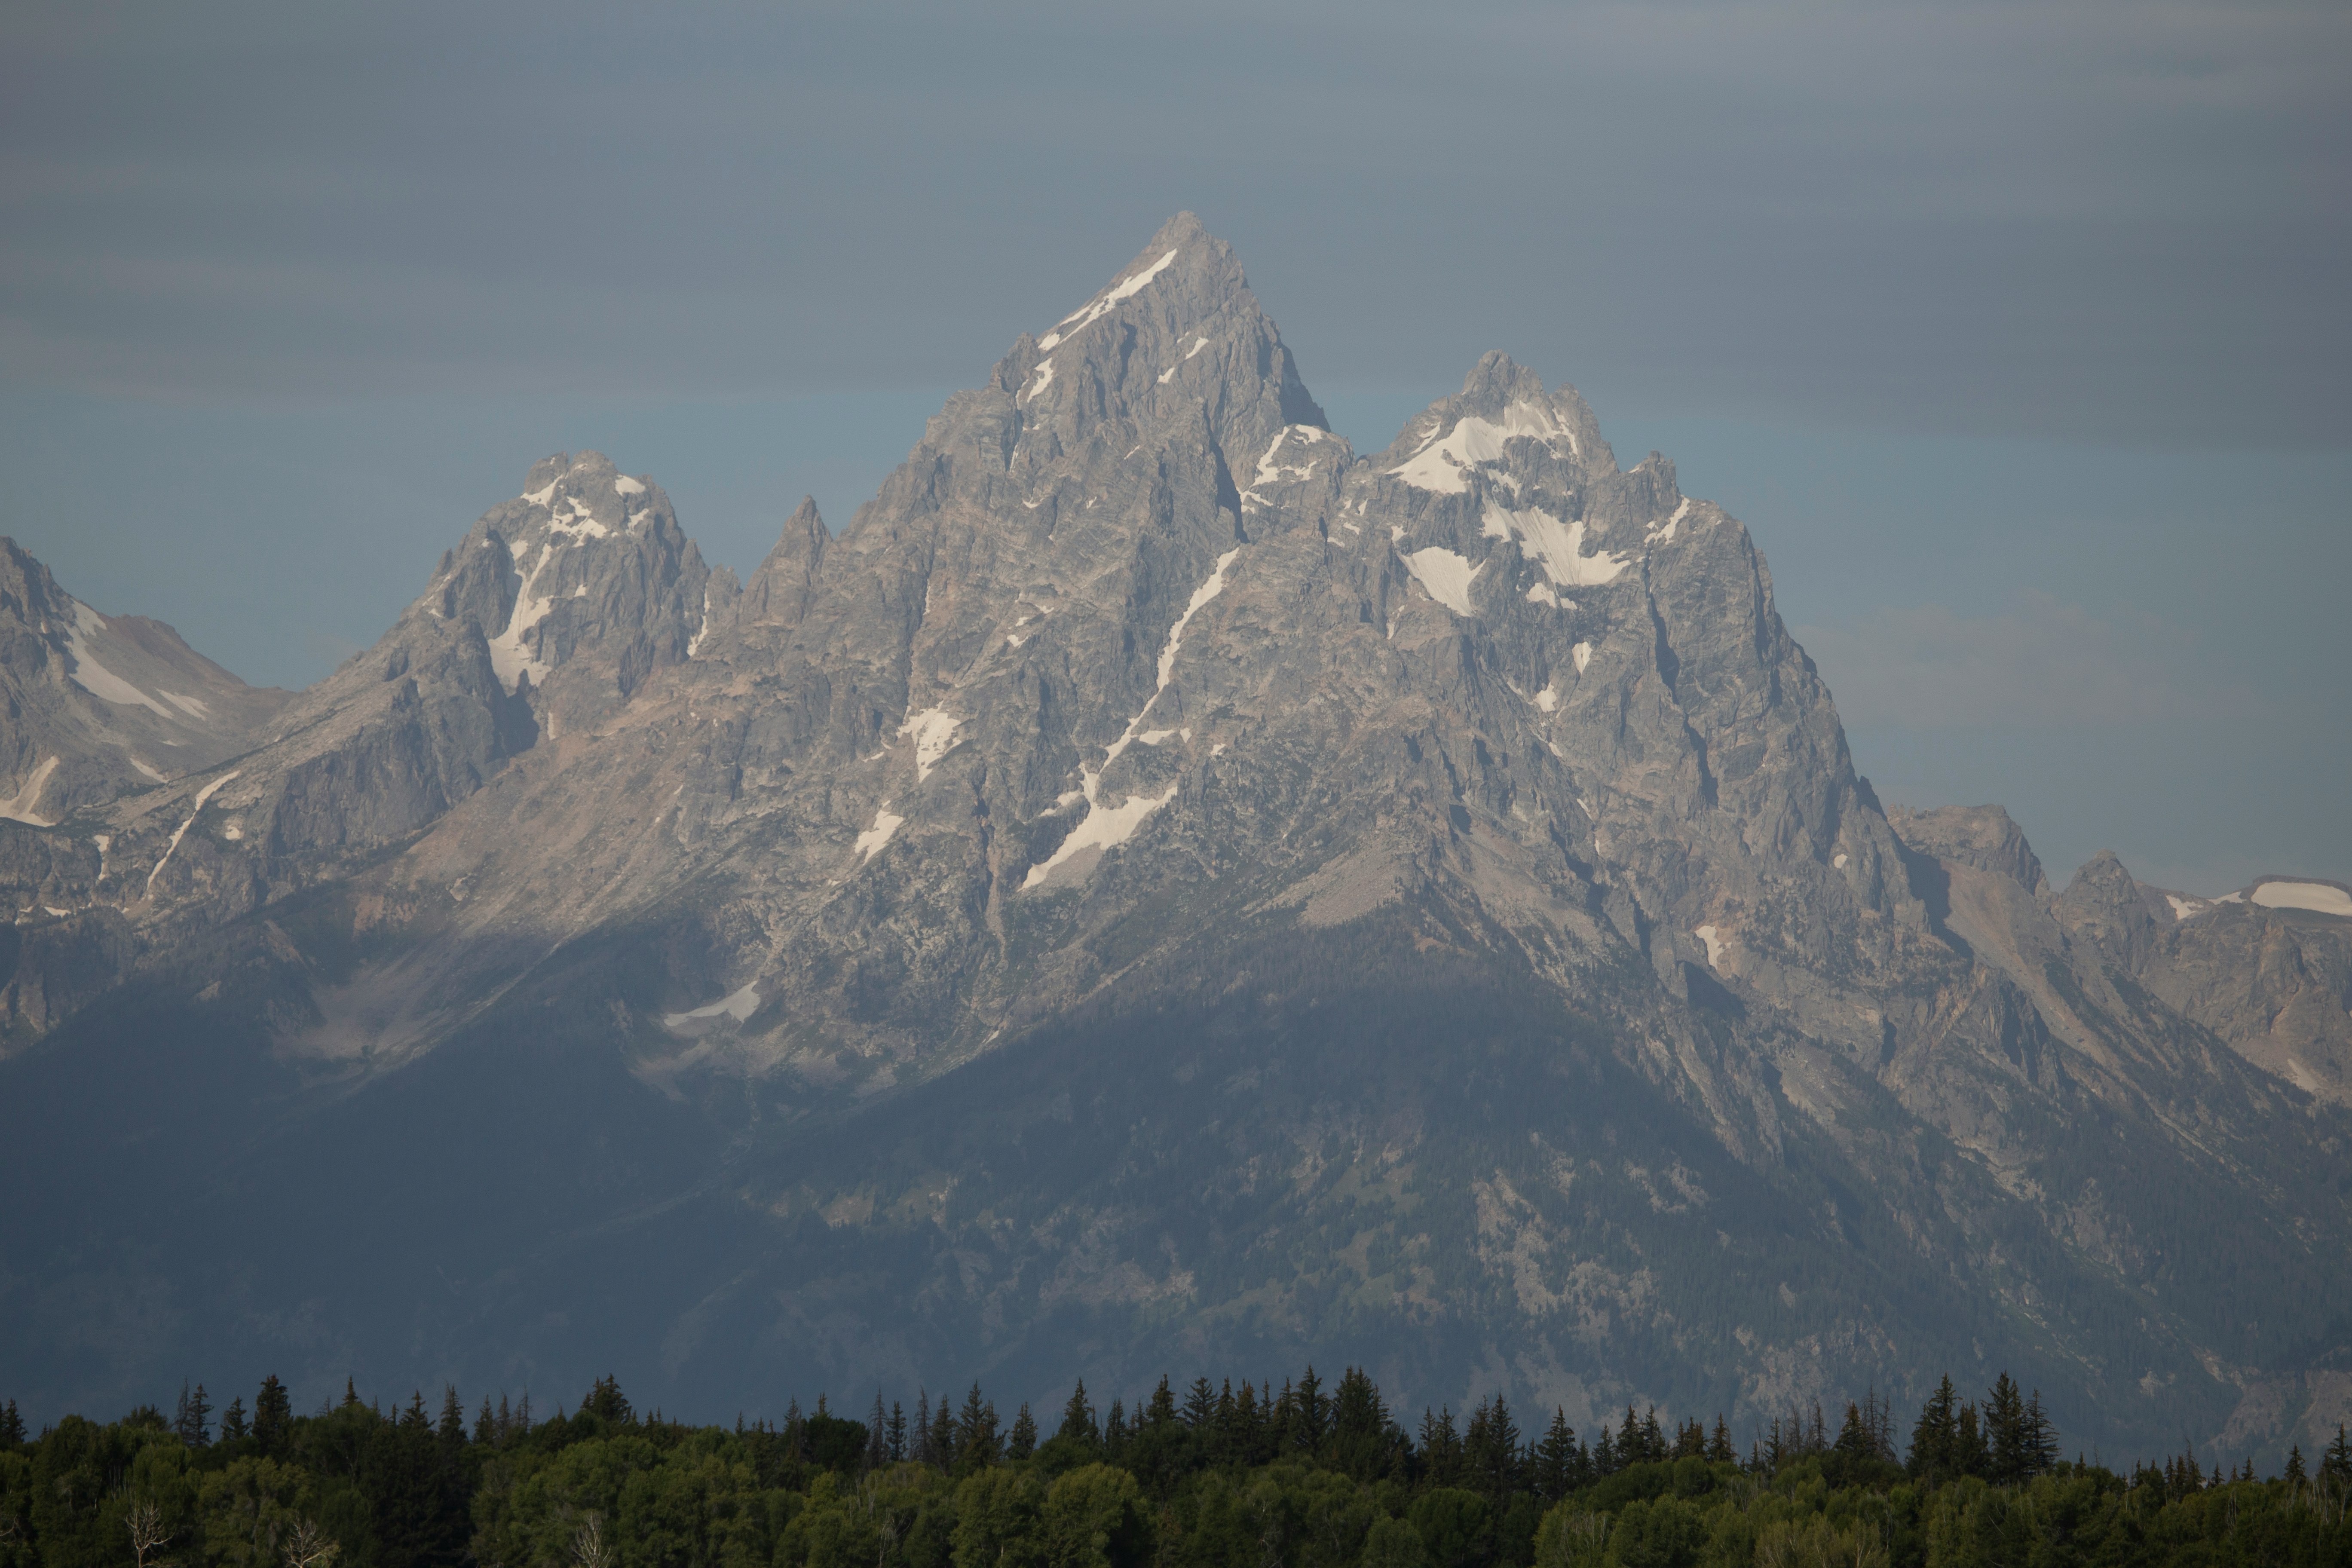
x=2016 y=332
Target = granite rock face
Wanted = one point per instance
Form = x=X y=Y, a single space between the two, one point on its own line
x=1161 y=886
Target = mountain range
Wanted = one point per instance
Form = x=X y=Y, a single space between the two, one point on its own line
x=1158 y=888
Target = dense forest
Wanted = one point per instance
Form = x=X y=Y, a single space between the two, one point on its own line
x=1308 y=1476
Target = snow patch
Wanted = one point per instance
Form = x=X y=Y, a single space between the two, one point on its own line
x=1548 y=700
x=1085 y=316
x=1269 y=471
x=871 y=841
x=1559 y=549
x=1837 y=861
x=1446 y=576
x=541 y=496
x=934 y=731
x=1042 y=379
x=1153 y=737
x=693 y=643
x=1442 y=462
x=95 y=678
x=1541 y=593
x=1583 y=653
x=2183 y=909
x=1714 y=945
x=629 y=487
x=18 y=807
x=1666 y=529
x=738 y=1006
x=1104 y=827
x=194 y=707
x=150 y=772
x=509 y=657
x=202 y=795
x=2318 y=897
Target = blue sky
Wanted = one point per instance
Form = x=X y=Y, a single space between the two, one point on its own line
x=2015 y=332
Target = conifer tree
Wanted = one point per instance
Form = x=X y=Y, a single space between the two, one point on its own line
x=2005 y=1433
x=878 y=1436
x=1969 y=1455
x=1200 y=1404
x=1078 y=1419
x=1162 y=1412
x=1718 y=1447
x=2337 y=1463
x=12 y=1429
x=2294 y=1464
x=1023 y=1441
x=1310 y=1414
x=1935 y=1439
x=1441 y=1449
x=1853 y=1439
x=273 y=1417
x=190 y=1423
x=232 y=1424
x=1555 y=1467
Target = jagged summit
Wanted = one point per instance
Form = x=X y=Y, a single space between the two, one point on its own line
x=1160 y=883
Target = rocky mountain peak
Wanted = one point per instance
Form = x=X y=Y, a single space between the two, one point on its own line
x=93 y=706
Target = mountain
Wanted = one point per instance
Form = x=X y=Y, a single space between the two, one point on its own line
x=1159 y=889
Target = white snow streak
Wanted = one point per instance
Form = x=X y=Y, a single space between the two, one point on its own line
x=95 y=678
x=1583 y=653
x=1666 y=529
x=871 y=841
x=1559 y=550
x=1040 y=379
x=1442 y=462
x=195 y=706
x=202 y=795
x=1106 y=827
x=738 y=1006
x=508 y=655
x=1714 y=945
x=18 y=807
x=1085 y=316
x=693 y=643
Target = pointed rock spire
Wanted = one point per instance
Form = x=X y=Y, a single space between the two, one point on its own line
x=779 y=590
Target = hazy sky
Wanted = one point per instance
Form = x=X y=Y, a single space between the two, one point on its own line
x=2018 y=333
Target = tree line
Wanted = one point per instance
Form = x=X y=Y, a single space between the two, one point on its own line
x=1308 y=1475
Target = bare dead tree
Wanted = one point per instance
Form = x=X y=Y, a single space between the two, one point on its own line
x=148 y=1533
x=307 y=1546
x=589 y=1548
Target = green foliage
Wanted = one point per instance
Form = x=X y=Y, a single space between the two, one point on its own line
x=1313 y=1476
